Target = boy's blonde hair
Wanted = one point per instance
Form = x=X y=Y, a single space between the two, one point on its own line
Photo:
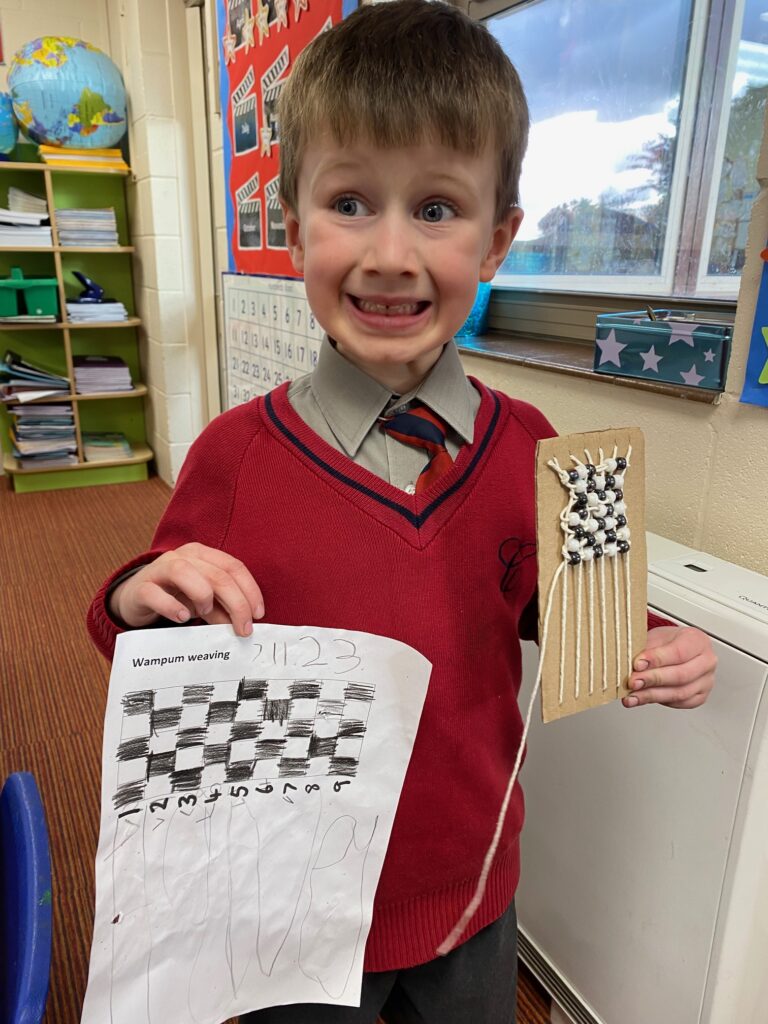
x=399 y=73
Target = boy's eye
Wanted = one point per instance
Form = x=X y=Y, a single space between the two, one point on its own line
x=433 y=212
x=348 y=206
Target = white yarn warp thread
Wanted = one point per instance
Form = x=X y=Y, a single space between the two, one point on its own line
x=594 y=526
x=606 y=466
x=469 y=911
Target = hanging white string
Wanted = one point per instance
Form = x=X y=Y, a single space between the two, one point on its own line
x=591 y=575
x=458 y=929
x=579 y=567
x=604 y=625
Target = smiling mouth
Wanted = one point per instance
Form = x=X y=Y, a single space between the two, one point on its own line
x=384 y=309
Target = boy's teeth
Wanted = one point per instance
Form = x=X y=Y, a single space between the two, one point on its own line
x=404 y=309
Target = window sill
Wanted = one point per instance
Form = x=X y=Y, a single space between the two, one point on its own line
x=573 y=359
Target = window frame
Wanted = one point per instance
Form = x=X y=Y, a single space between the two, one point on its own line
x=701 y=140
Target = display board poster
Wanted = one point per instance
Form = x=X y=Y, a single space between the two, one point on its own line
x=258 y=42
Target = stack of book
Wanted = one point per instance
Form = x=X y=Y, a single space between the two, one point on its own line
x=26 y=202
x=106 y=447
x=96 y=159
x=101 y=373
x=44 y=435
x=87 y=227
x=96 y=312
x=24 y=382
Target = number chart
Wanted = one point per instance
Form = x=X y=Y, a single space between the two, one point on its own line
x=270 y=333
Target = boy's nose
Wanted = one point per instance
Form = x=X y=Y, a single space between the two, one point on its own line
x=391 y=248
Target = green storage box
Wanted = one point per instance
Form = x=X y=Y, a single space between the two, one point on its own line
x=28 y=296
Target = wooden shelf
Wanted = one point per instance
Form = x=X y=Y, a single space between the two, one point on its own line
x=132 y=321
x=138 y=391
x=141 y=453
x=67 y=248
x=10 y=165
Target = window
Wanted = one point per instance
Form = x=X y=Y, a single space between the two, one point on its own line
x=647 y=120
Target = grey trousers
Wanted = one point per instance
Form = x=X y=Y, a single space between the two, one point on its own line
x=474 y=984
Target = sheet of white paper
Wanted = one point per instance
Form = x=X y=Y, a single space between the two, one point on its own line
x=248 y=792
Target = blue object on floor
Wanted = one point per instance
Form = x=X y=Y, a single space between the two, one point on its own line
x=25 y=902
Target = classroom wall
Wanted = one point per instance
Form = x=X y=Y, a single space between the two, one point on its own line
x=707 y=465
x=150 y=47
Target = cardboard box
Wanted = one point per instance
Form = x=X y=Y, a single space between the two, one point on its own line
x=681 y=347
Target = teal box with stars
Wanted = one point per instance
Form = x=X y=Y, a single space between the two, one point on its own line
x=680 y=347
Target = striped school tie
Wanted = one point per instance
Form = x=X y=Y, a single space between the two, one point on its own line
x=421 y=428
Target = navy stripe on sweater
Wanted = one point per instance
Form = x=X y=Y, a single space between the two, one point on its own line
x=406 y=513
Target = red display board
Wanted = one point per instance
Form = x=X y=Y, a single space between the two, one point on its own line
x=258 y=43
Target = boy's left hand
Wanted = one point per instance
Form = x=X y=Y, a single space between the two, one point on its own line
x=680 y=669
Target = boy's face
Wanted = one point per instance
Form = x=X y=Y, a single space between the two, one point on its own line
x=392 y=244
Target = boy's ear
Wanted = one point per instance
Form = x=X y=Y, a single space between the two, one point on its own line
x=293 y=237
x=501 y=239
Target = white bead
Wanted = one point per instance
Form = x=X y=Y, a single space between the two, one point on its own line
x=587 y=555
x=620 y=508
x=623 y=533
x=573 y=544
x=619 y=480
x=582 y=471
x=600 y=537
x=580 y=486
x=600 y=481
x=590 y=526
x=610 y=522
x=610 y=465
x=610 y=497
x=573 y=519
x=610 y=550
x=592 y=499
x=599 y=511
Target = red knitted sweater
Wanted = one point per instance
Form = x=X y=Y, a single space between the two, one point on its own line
x=449 y=571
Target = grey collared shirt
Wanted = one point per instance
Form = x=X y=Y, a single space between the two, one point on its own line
x=342 y=404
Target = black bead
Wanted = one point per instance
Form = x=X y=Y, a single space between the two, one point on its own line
x=610 y=536
x=600 y=524
x=578 y=532
x=610 y=481
x=619 y=494
x=598 y=549
x=574 y=558
x=573 y=476
x=590 y=469
x=601 y=495
x=621 y=520
x=609 y=510
x=590 y=486
x=583 y=513
x=589 y=540
x=621 y=463
x=623 y=546
x=581 y=501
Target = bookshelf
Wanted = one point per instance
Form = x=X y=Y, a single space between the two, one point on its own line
x=53 y=345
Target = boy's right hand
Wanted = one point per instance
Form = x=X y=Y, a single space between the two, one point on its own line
x=191 y=581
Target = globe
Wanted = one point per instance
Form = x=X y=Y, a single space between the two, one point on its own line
x=66 y=92
x=9 y=130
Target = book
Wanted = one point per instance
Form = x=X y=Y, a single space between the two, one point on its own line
x=26 y=202
x=95 y=373
x=61 y=156
x=106 y=447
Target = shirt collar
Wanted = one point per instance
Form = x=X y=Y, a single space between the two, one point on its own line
x=351 y=401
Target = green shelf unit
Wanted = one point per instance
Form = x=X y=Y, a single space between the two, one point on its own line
x=53 y=345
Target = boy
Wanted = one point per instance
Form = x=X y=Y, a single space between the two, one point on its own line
x=375 y=493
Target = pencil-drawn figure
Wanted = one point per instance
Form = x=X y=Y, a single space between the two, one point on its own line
x=331 y=930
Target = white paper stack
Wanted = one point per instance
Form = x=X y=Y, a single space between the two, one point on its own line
x=25 y=223
x=96 y=312
x=79 y=227
x=101 y=373
x=25 y=202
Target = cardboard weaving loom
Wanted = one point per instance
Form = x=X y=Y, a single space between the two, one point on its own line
x=594 y=564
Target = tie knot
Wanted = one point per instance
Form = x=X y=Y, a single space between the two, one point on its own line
x=418 y=424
